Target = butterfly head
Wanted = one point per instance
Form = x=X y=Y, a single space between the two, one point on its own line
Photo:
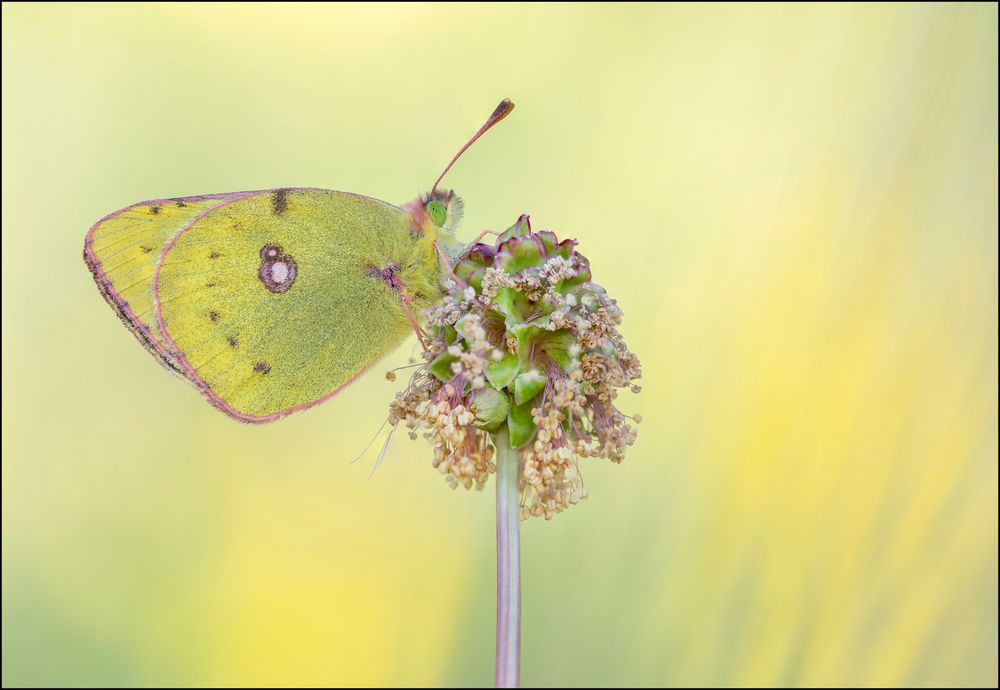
x=437 y=211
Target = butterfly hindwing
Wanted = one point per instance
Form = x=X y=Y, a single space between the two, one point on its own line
x=122 y=251
x=274 y=301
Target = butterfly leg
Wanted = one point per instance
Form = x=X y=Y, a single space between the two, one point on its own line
x=447 y=267
x=483 y=234
x=390 y=275
x=406 y=299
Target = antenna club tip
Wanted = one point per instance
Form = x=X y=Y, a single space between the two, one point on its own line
x=501 y=111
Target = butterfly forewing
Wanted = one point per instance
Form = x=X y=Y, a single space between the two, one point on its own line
x=273 y=302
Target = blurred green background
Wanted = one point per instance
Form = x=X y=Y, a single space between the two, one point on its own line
x=795 y=206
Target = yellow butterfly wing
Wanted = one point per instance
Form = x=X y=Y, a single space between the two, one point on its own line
x=273 y=302
x=122 y=251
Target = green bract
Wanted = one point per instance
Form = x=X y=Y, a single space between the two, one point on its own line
x=526 y=278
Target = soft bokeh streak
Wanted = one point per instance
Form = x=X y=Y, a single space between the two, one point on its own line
x=796 y=207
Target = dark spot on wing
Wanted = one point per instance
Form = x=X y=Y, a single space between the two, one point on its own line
x=214 y=255
x=180 y=204
x=389 y=275
x=279 y=200
x=155 y=210
x=262 y=367
x=214 y=315
x=210 y=284
x=145 y=249
x=277 y=270
x=271 y=252
x=233 y=342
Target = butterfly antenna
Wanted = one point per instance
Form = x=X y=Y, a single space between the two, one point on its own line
x=501 y=111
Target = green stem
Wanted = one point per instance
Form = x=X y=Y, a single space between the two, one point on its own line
x=508 y=667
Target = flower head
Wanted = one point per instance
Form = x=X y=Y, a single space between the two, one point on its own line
x=523 y=338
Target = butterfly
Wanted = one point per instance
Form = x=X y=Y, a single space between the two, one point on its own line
x=273 y=301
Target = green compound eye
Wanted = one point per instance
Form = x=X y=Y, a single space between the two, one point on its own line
x=438 y=213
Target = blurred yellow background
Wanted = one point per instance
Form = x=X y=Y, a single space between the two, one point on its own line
x=796 y=208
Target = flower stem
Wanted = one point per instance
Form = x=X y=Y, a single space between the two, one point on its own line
x=508 y=669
